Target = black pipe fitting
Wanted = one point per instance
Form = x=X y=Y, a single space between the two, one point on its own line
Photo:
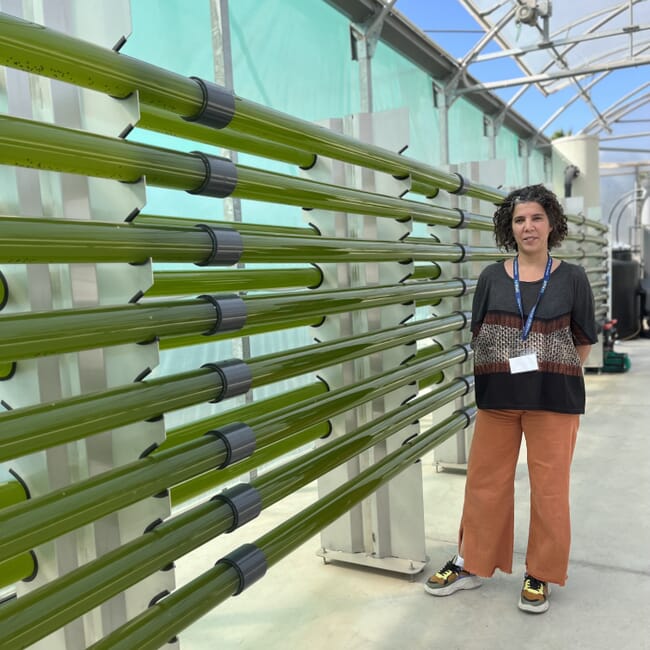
x=218 y=107
x=220 y=176
x=244 y=501
x=239 y=440
x=250 y=563
x=231 y=313
x=463 y=185
x=463 y=216
x=4 y=291
x=227 y=246
x=236 y=377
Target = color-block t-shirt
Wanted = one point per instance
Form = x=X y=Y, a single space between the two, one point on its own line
x=564 y=319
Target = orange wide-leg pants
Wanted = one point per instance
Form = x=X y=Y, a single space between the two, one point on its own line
x=486 y=536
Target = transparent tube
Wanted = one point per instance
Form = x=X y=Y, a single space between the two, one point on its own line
x=46 y=52
x=34 y=428
x=65 y=598
x=188 y=603
x=26 y=143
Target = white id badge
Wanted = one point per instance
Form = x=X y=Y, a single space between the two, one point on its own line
x=524 y=363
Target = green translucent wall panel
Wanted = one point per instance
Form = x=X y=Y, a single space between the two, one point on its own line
x=294 y=56
x=398 y=83
x=507 y=148
x=323 y=83
x=174 y=35
x=539 y=171
x=467 y=141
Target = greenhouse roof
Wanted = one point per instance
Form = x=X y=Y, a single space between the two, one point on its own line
x=537 y=65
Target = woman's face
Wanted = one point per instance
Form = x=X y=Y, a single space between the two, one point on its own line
x=530 y=227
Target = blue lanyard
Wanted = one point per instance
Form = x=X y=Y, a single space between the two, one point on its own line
x=529 y=321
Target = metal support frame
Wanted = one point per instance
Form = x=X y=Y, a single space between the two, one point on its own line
x=387 y=530
x=582 y=71
x=453 y=453
x=365 y=38
x=60 y=286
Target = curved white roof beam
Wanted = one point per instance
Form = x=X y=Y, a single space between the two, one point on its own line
x=622 y=101
x=452 y=85
x=552 y=44
x=606 y=15
x=618 y=113
x=563 y=74
x=642 y=47
x=549 y=65
x=611 y=13
x=572 y=101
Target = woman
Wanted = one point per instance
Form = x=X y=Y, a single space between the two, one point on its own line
x=532 y=328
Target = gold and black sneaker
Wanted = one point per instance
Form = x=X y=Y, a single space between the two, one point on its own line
x=451 y=578
x=534 y=595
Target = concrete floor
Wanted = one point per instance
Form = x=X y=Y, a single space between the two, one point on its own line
x=303 y=603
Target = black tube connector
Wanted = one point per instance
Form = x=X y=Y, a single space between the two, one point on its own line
x=227 y=246
x=468 y=380
x=20 y=480
x=244 y=501
x=470 y=414
x=467 y=318
x=462 y=281
x=239 y=440
x=9 y=372
x=4 y=291
x=236 y=377
x=322 y=277
x=218 y=106
x=250 y=563
x=464 y=250
x=463 y=217
x=34 y=573
x=231 y=313
x=467 y=347
x=220 y=176
x=154 y=524
x=158 y=597
x=463 y=186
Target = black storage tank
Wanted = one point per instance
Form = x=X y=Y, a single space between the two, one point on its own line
x=626 y=308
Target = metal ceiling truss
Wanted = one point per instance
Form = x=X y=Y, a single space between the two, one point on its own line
x=610 y=15
x=560 y=57
x=559 y=44
x=451 y=87
x=622 y=106
x=563 y=74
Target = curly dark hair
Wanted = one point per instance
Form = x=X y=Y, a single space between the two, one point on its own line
x=533 y=193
